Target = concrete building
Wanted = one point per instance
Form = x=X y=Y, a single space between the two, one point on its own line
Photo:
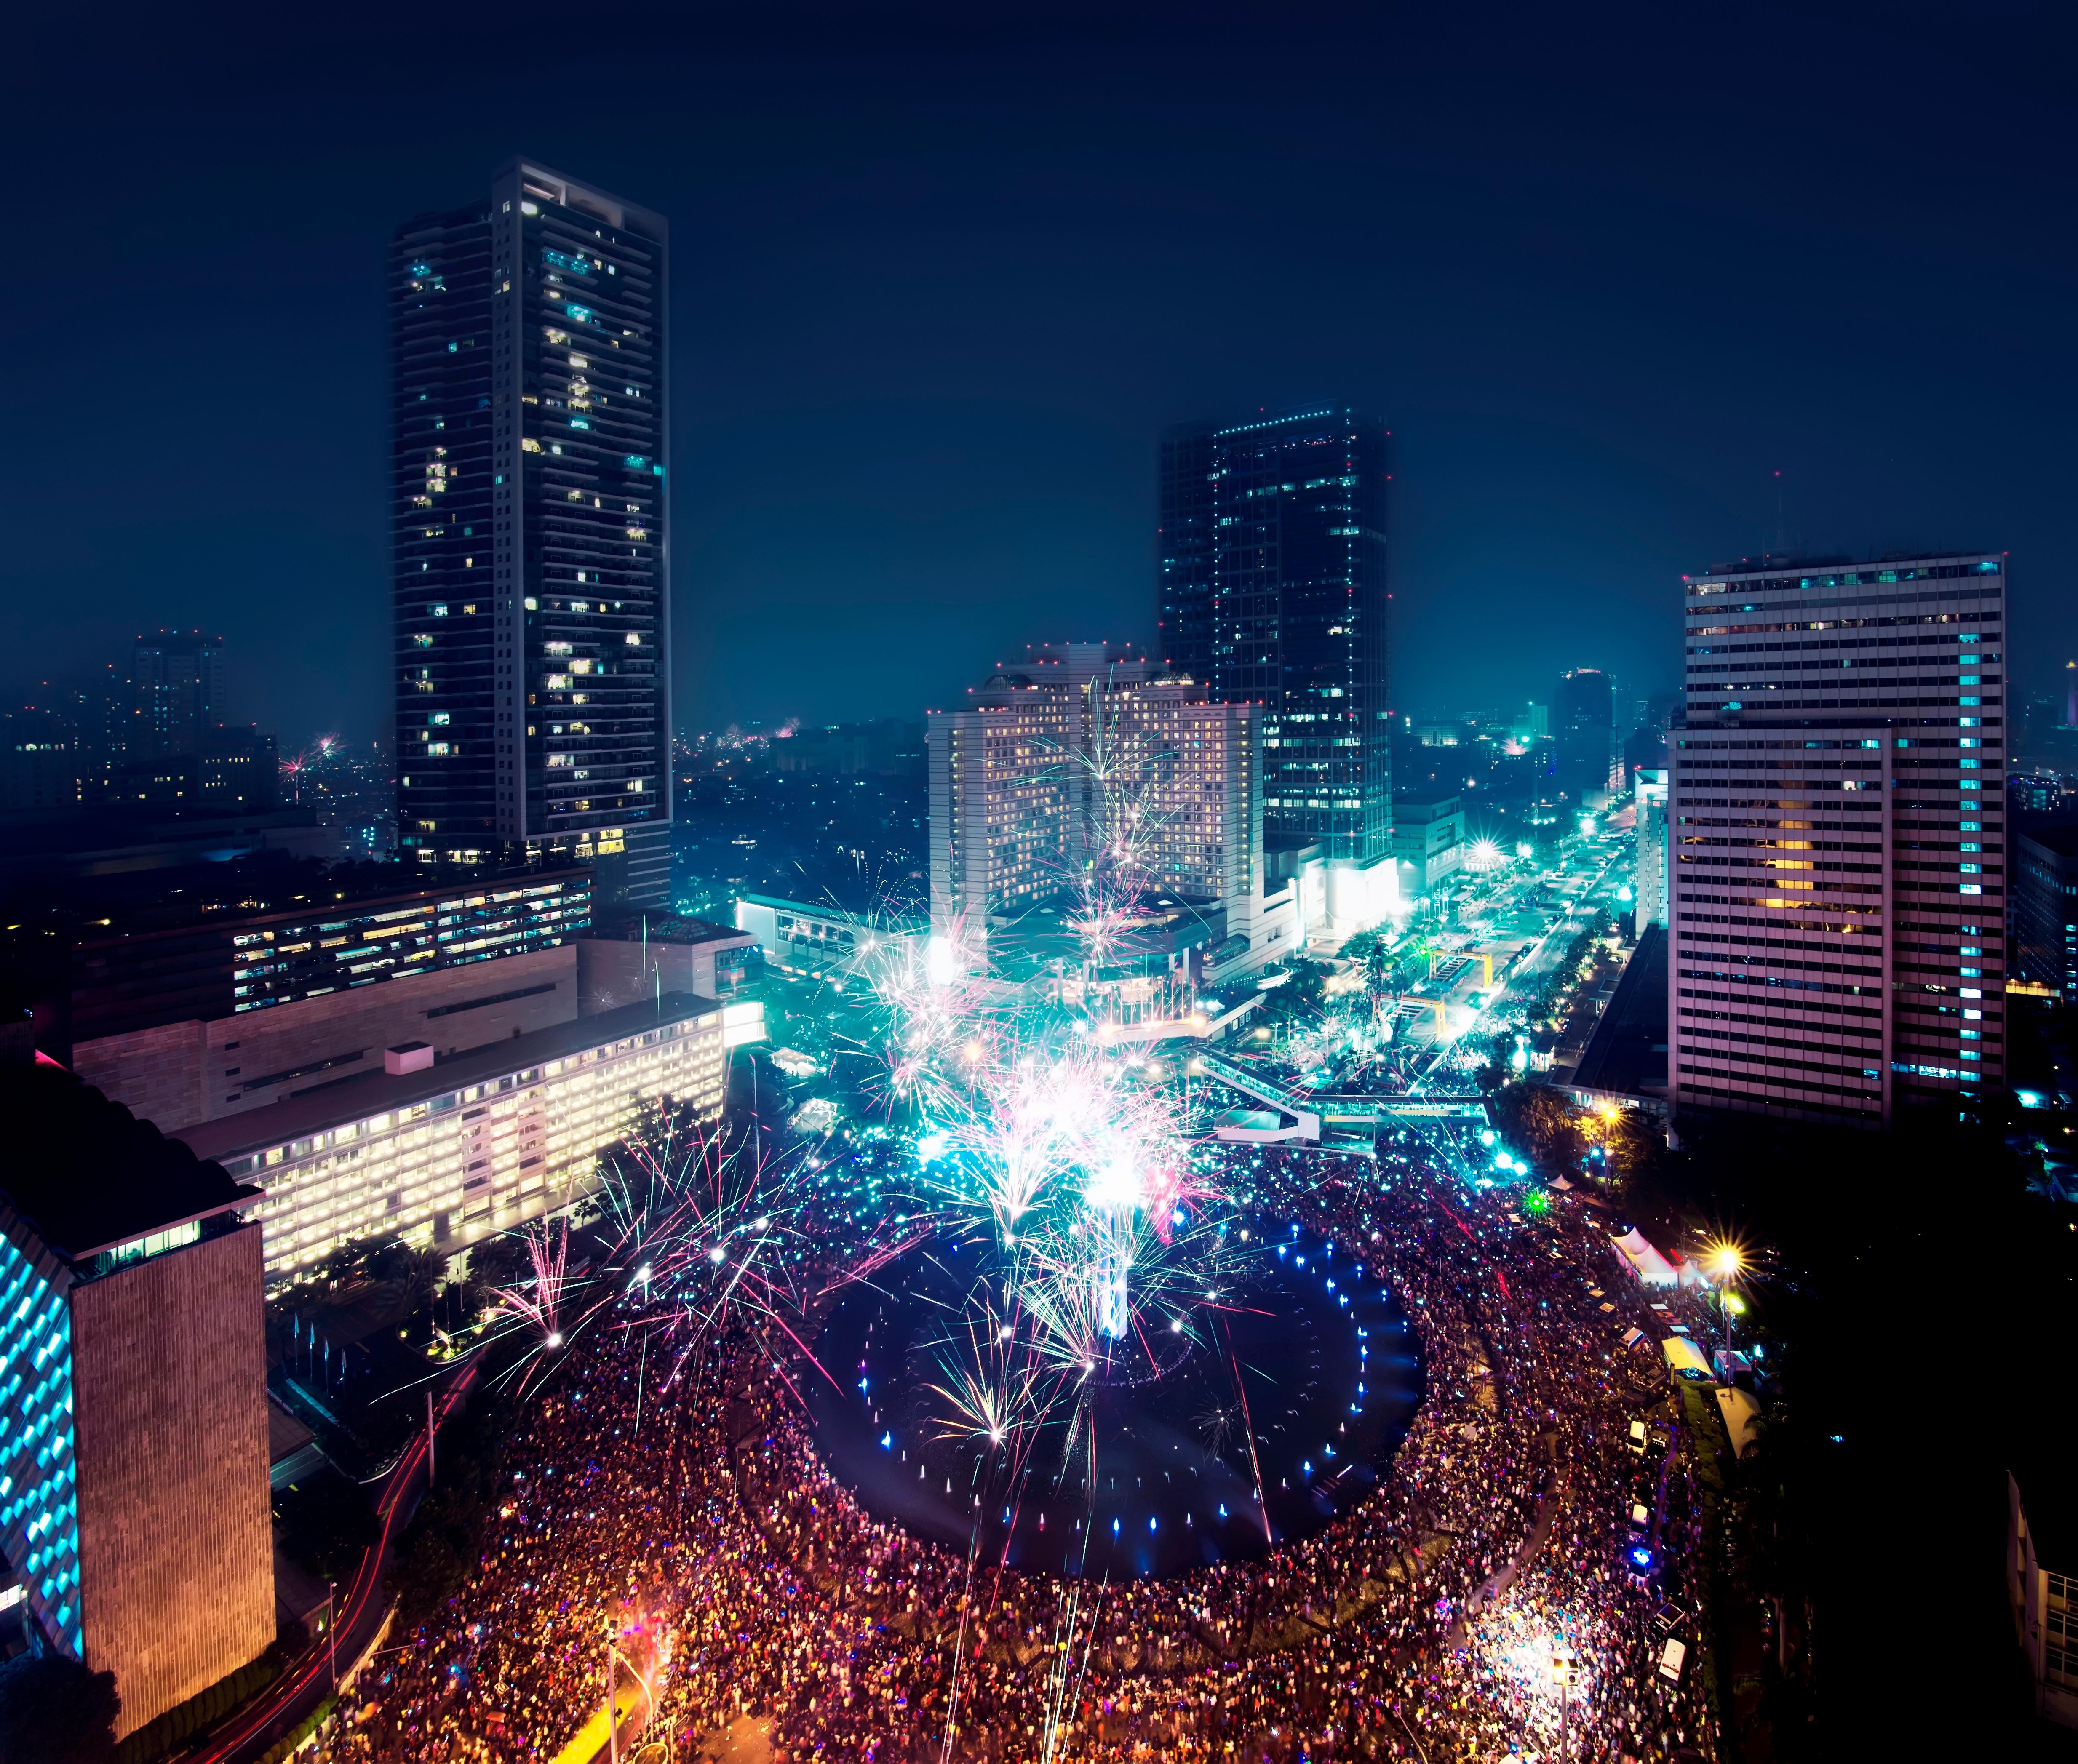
x=798 y=938
x=134 y=1497
x=631 y=960
x=1428 y=839
x=204 y=1021
x=2041 y=1587
x=2045 y=907
x=441 y=1155
x=1837 y=910
x=1649 y=801
x=1073 y=763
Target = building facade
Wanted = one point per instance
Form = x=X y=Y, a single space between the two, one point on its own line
x=530 y=437
x=1272 y=590
x=191 y=1024
x=1429 y=836
x=133 y=1496
x=1582 y=716
x=443 y=1155
x=2042 y=1587
x=1838 y=895
x=1075 y=764
x=2045 y=907
x=1648 y=797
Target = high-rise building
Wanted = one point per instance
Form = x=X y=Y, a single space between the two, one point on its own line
x=529 y=435
x=176 y=693
x=1583 y=731
x=1074 y=760
x=2044 y=904
x=1274 y=591
x=1837 y=918
x=133 y=1425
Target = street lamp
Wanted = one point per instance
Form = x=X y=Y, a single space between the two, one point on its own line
x=1561 y=1673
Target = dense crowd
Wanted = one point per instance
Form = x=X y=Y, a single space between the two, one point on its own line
x=728 y=1568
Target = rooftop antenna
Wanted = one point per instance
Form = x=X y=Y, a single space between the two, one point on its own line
x=1779 y=546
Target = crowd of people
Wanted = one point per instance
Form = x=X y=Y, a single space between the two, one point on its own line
x=685 y=1526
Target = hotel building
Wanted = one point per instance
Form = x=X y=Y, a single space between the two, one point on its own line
x=1837 y=904
x=443 y=1155
x=134 y=1497
x=1074 y=760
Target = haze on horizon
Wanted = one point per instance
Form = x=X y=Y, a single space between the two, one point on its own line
x=939 y=284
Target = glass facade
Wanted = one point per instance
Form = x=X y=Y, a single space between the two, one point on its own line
x=1838 y=887
x=531 y=569
x=38 y=1497
x=1272 y=590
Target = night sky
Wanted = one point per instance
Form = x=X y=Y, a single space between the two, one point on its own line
x=939 y=284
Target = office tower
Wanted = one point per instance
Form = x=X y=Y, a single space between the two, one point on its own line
x=442 y=1155
x=1838 y=892
x=224 y=1014
x=530 y=429
x=1273 y=591
x=1649 y=884
x=1074 y=760
x=2044 y=904
x=40 y=759
x=176 y=693
x=1583 y=731
x=133 y=1458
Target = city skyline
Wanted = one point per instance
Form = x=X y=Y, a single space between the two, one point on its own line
x=976 y=450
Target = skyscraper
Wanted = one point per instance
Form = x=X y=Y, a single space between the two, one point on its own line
x=530 y=431
x=1838 y=902
x=1272 y=590
x=1583 y=730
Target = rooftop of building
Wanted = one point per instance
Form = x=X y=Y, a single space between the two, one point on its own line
x=380 y=1093
x=2060 y=841
x=669 y=928
x=87 y=1175
x=1791 y=565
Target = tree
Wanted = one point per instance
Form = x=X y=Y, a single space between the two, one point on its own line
x=327 y=1525
x=53 y=1710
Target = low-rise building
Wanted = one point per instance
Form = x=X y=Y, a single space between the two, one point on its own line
x=1429 y=841
x=204 y=1021
x=442 y=1154
x=798 y=938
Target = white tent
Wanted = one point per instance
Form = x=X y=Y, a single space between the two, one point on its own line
x=1651 y=1268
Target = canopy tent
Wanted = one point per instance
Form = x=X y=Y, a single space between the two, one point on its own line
x=1684 y=1359
x=1651 y=1268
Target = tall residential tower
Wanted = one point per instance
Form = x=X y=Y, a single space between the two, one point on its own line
x=530 y=432
x=1837 y=908
x=1273 y=591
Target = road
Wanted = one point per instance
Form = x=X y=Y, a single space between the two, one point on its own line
x=308 y=1681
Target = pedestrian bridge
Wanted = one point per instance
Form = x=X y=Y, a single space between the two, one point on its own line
x=1316 y=1117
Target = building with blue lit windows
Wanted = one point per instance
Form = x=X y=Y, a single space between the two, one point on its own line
x=529 y=437
x=1273 y=591
x=134 y=1498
